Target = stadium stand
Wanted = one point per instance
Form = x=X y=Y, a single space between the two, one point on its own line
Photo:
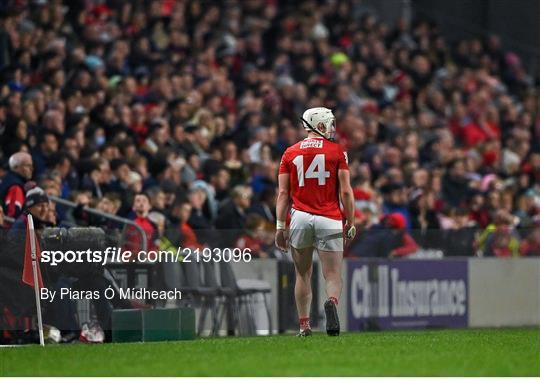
x=188 y=100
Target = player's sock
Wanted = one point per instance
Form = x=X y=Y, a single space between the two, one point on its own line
x=333 y=300
x=304 y=323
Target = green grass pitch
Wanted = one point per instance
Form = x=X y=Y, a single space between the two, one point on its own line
x=486 y=352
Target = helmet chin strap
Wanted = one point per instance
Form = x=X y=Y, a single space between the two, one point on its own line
x=315 y=130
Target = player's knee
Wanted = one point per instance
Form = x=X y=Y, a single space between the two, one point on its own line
x=304 y=275
x=332 y=274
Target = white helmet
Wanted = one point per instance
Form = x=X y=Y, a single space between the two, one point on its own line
x=321 y=121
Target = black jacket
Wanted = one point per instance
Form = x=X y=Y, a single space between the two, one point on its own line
x=230 y=224
x=376 y=242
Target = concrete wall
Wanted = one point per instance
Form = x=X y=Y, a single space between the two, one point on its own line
x=504 y=292
x=266 y=270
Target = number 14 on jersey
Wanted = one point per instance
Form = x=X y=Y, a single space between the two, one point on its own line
x=316 y=169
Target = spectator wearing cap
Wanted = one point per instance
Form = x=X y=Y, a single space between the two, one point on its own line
x=404 y=243
x=37 y=204
x=12 y=185
x=389 y=238
x=18 y=297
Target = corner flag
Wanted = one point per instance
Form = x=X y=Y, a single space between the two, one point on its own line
x=32 y=254
x=32 y=251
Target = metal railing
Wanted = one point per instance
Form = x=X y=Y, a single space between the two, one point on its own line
x=97 y=212
x=108 y=216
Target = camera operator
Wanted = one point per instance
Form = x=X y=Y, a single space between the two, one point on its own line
x=17 y=299
x=79 y=276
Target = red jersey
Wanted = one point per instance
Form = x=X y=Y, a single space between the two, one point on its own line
x=190 y=238
x=14 y=201
x=313 y=165
x=134 y=239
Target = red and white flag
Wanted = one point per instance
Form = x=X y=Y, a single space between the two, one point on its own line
x=28 y=275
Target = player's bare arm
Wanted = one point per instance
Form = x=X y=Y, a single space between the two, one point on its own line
x=282 y=205
x=347 y=199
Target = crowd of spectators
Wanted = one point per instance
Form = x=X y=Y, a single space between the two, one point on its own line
x=176 y=113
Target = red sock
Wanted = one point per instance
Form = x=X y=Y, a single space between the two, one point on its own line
x=304 y=323
x=333 y=300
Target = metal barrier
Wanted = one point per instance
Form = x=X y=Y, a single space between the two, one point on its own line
x=121 y=220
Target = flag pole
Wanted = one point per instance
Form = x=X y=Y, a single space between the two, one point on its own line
x=35 y=271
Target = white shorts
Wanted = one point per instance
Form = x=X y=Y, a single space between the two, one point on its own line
x=321 y=232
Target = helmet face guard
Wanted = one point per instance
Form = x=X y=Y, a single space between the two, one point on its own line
x=332 y=129
x=326 y=128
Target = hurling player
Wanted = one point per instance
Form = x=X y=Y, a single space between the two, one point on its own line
x=314 y=174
